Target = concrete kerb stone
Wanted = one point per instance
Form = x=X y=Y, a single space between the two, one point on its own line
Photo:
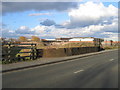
x=57 y=61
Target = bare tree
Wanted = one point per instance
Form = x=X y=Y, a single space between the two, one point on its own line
x=22 y=38
x=35 y=38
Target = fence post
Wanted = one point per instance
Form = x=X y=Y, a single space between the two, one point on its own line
x=34 y=56
x=32 y=52
x=35 y=52
x=9 y=51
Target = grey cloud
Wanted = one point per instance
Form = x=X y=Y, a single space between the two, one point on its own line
x=59 y=26
x=8 y=7
x=76 y=23
x=48 y=22
x=111 y=28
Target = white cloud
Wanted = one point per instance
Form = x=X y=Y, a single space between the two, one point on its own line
x=111 y=35
x=91 y=14
x=92 y=31
x=39 y=14
x=39 y=29
x=53 y=32
x=8 y=33
x=23 y=30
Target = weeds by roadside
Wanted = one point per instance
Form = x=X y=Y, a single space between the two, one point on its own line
x=111 y=47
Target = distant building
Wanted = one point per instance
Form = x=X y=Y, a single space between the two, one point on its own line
x=110 y=43
x=29 y=40
x=63 y=39
x=86 y=39
x=96 y=41
x=82 y=39
x=50 y=40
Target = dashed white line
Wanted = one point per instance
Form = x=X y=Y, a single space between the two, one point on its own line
x=79 y=71
x=112 y=59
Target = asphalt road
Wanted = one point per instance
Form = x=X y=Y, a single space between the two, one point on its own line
x=97 y=71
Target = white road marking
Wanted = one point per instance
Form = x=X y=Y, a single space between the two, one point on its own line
x=79 y=71
x=112 y=59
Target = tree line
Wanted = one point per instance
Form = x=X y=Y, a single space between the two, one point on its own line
x=33 y=38
x=21 y=39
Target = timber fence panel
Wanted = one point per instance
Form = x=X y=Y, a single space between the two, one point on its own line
x=18 y=52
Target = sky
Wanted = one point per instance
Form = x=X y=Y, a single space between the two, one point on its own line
x=60 y=19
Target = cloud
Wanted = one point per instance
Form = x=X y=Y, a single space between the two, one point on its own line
x=88 y=20
x=48 y=22
x=88 y=31
x=54 y=32
x=11 y=7
x=2 y=25
x=91 y=14
x=111 y=35
x=39 y=14
x=51 y=31
x=23 y=30
x=8 y=33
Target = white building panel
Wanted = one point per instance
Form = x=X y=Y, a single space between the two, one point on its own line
x=74 y=39
x=50 y=39
x=86 y=39
x=81 y=39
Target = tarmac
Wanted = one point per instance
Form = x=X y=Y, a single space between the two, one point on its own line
x=44 y=61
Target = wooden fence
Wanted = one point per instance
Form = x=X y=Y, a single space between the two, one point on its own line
x=17 y=52
x=20 y=52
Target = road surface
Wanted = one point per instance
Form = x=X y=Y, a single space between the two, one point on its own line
x=97 y=71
